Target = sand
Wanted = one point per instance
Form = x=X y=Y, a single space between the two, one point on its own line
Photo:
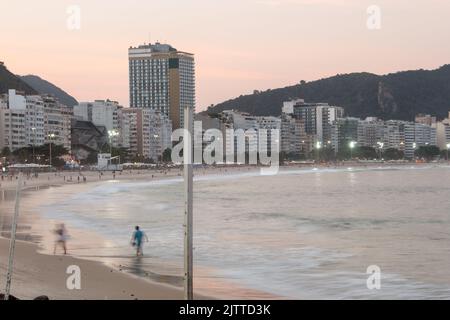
x=37 y=274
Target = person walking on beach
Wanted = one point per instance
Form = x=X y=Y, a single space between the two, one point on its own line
x=137 y=240
x=61 y=237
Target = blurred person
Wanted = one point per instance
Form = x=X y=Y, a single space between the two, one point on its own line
x=61 y=237
x=137 y=240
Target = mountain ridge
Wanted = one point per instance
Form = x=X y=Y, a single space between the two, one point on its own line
x=32 y=85
x=400 y=95
x=45 y=87
x=8 y=80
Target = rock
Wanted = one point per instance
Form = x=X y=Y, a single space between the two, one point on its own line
x=11 y=297
x=41 y=298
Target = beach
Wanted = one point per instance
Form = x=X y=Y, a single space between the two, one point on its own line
x=308 y=232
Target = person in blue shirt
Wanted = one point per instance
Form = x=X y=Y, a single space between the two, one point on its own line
x=137 y=240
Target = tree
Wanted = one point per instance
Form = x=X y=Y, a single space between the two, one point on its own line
x=22 y=155
x=6 y=152
x=213 y=115
x=428 y=152
x=344 y=153
x=137 y=158
x=57 y=152
x=365 y=153
x=393 y=154
x=328 y=154
x=167 y=155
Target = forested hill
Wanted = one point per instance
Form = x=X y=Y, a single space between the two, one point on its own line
x=393 y=96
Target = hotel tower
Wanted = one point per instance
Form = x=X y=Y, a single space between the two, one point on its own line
x=163 y=79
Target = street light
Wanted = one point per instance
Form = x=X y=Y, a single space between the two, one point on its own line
x=34 y=141
x=380 y=147
x=414 y=145
x=448 y=148
x=112 y=134
x=318 y=147
x=51 y=136
x=302 y=148
x=352 y=145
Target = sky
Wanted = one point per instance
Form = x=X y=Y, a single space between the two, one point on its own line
x=239 y=45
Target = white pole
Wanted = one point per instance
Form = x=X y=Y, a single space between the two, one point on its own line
x=12 y=243
x=188 y=212
x=50 y=154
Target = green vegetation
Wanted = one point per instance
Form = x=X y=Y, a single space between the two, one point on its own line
x=167 y=155
x=428 y=152
x=393 y=154
x=394 y=96
x=38 y=155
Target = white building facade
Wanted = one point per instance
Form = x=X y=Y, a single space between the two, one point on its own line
x=33 y=121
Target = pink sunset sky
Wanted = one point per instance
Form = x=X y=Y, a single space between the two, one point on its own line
x=239 y=45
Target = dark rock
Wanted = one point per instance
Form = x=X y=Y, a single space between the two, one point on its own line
x=41 y=298
x=11 y=297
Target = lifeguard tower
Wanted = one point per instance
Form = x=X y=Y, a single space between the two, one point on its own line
x=105 y=162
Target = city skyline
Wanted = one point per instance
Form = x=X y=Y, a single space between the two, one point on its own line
x=231 y=58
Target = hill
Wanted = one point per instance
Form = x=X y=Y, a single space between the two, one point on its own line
x=44 y=87
x=393 y=96
x=10 y=81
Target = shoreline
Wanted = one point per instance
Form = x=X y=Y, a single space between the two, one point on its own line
x=61 y=178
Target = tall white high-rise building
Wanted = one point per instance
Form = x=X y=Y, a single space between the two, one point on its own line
x=163 y=79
